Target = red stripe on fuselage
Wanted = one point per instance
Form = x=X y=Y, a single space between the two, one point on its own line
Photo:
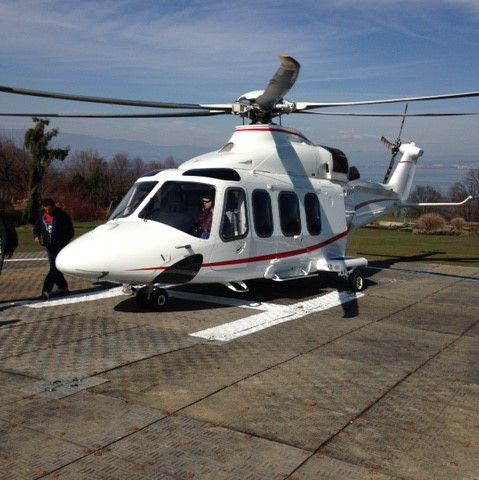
x=261 y=258
x=363 y=204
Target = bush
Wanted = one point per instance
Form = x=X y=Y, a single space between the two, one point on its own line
x=458 y=224
x=430 y=222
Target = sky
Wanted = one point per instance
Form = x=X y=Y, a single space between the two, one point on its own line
x=213 y=52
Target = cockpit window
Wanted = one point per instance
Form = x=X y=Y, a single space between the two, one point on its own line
x=132 y=199
x=187 y=206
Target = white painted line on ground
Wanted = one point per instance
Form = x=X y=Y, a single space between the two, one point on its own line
x=77 y=298
x=271 y=314
x=37 y=259
x=245 y=326
x=233 y=302
x=117 y=291
x=65 y=300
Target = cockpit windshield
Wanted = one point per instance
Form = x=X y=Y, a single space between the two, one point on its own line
x=186 y=206
x=132 y=199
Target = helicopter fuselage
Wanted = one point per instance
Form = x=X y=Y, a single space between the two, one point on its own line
x=283 y=209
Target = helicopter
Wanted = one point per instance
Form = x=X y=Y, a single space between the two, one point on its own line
x=268 y=204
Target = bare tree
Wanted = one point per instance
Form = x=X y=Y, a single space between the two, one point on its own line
x=424 y=194
x=13 y=171
x=460 y=190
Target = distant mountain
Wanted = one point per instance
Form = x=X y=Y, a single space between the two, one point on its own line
x=107 y=148
x=440 y=171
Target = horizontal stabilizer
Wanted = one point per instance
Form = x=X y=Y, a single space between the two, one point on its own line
x=437 y=204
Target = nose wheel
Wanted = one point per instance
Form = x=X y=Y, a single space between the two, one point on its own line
x=151 y=298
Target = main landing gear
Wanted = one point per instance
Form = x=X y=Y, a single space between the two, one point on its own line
x=356 y=280
x=152 y=298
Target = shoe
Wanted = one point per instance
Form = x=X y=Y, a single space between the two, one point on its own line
x=46 y=295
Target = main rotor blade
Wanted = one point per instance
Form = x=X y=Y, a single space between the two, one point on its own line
x=354 y=114
x=201 y=113
x=312 y=105
x=109 y=101
x=280 y=84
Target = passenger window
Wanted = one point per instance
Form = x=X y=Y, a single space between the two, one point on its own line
x=289 y=213
x=235 y=220
x=262 y=213
x=313 y=213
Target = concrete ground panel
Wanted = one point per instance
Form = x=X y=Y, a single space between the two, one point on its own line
x=428 y=440
x=96 y=354
x=177 y=447
x=382 y=387
x=86 y=419
x=26 y=453
x=25 y=337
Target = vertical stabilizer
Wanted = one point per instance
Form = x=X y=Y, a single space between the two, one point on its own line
x=401 y=179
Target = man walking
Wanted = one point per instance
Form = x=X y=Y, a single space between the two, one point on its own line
x=53 y=230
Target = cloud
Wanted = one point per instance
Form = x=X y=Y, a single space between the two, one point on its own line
x=197 y=51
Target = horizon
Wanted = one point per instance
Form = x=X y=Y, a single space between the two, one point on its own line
x=438 y=172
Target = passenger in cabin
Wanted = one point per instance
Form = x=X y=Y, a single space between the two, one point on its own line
x=202 y=225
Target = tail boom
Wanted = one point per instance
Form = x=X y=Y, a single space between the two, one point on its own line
x=401 y=179
x=367 y=201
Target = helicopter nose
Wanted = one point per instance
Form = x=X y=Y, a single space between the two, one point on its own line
x=82 y=259
x=127 y=252
x=97 y=253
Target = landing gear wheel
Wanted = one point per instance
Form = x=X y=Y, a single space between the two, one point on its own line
x=356 y=280
x=158 y=299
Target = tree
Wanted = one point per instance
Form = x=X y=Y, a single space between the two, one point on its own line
x=36 y=142
x=13 y=171
x=424 y=194
x=469 y=185
x=89 y=178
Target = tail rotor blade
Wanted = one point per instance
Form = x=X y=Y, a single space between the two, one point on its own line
x=394 y=147
x=386 y=142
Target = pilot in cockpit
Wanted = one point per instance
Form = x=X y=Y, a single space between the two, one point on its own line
x=202 y=225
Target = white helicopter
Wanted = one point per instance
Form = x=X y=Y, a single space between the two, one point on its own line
x=268 y=204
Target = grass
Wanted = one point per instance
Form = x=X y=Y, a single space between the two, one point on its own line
x=387 y=246
x=25 y=235
x=390 y=246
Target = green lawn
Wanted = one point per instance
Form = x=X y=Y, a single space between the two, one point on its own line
x=25 y=236
x=396 y=246
x=374 y=244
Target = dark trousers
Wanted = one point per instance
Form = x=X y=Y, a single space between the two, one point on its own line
x=54 y=276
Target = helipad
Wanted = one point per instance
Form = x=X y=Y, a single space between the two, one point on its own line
x=295 y=380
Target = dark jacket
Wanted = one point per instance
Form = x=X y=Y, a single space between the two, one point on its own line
x=8 y=235
x=61 y=234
